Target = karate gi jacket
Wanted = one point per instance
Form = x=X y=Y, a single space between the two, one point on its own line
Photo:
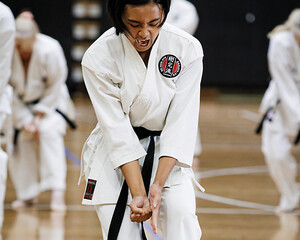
x=7 y=43
x=43 y=89
x=164 y=96
x=183 y=14
x=284 y=67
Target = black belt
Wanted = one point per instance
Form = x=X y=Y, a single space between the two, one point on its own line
x=265 y=116
x=119 y=211
x=70 y=122
x=261 y=123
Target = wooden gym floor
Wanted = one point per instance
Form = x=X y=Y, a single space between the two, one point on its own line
x=240 y=196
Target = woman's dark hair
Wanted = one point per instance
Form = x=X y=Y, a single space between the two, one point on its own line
x=116 y=8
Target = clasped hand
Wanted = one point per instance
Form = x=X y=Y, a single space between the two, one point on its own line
x=32 y=128
x=142 y=208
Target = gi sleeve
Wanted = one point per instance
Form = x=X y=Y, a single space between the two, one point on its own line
x=184 y=16
x=283 y=70
x=178 y=138
x=7 y=43
x=122 y=144
x=56 y=74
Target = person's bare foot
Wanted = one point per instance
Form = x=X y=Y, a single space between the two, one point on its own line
x=20 y=204
x=280 y=210
x=58 y=200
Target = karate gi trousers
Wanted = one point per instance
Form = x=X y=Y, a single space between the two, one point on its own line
x=276 y=146
x=3 y=171
x=177 y=218
x=45 y=160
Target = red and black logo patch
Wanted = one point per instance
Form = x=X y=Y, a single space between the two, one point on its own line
x=90 y=188
x=169 y=66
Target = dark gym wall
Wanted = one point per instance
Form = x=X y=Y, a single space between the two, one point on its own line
x=53 y=17
x=235 y=50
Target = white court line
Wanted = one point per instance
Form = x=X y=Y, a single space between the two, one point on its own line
x=232 y=211
x=253 y=208
x=236 y=211
x=232 y=148
x=230 y=201
x=46 y=207
x=231 y=171
x=234 y=202
x=249 y=115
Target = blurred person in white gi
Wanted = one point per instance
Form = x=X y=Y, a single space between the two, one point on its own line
x=281 y=103
x=183 y=14
x=39 y=72
x=7 y=42
x=143 y=78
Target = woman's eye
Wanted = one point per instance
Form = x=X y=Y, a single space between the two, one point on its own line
x=153 y=24
x=132 y=25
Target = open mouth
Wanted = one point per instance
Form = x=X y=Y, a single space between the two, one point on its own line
x=143 y=43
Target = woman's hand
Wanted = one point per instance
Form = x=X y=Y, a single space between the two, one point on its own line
x=155 y=199
x=140 y=209
x=164 y=168
x=140 y=205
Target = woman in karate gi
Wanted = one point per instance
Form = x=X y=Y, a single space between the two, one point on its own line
x=282 y=98
x=7 y=42
x=39 y=73
x=143 y=78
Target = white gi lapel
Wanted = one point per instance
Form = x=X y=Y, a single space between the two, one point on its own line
x=134 y=71
x=137 y=78
x=152 y=69
x=18 y=74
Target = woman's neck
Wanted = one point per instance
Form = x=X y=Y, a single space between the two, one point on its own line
x=145 y=56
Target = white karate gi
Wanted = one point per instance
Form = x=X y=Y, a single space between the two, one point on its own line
x=183 y=14
x=283 y=122
x=126 y=93
x=45 y=82
x=7 y=33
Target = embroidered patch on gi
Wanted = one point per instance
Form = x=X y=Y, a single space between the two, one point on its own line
x=90 y=189
x=169 y=66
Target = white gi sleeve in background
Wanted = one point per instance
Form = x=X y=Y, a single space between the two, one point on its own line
x=56 y=75
x=281 y=66
x=183 y=14
x=178 y=137
x=122 y=144
x=7 y=40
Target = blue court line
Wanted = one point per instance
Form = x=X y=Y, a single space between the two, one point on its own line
x=149 y=229
x=74 y=159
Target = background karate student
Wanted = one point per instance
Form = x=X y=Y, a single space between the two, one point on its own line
x=283 y=120
x=39 y=73
x=7 y=37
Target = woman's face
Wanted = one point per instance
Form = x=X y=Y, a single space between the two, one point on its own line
x=142 y=23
